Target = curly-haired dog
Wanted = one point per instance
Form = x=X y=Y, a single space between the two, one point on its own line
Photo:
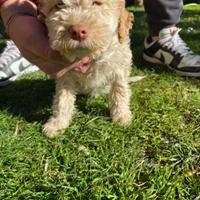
x=98 y=29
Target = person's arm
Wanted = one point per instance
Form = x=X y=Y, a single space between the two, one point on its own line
x=30 y=36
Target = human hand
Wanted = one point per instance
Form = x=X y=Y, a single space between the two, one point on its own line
x=30 y=36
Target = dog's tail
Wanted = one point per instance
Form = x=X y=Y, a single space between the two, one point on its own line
x=134 y=79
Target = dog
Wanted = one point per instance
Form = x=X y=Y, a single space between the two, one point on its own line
x=98 y=29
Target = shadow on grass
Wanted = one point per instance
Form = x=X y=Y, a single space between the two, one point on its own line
x=32 y=100
x=27 y=98
x=93 y=106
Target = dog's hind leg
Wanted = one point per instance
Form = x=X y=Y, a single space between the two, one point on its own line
x=120 y=97
x=63 y=106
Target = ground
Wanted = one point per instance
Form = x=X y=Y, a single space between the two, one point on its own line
x=156 y=157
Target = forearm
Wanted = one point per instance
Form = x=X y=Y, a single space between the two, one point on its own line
x=10 y=8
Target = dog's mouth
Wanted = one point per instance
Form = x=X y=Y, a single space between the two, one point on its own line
x=77 y=50
x=77 y=53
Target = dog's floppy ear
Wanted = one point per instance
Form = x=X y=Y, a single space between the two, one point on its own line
x=125 y=22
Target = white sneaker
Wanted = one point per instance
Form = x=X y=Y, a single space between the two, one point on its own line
x=172 y=51
x=13 y=65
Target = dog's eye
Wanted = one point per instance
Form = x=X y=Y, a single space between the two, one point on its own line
x=60 y=5
x=97 y=2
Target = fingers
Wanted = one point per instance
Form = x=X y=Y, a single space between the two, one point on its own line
x=14 y=7
x=80 y=66
x=83 y=65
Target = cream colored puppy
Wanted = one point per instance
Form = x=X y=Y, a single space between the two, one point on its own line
x=98 y=29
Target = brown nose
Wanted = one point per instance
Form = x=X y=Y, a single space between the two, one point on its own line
x=78 y=32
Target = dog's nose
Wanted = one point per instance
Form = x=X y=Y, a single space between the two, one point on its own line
x=78 y=32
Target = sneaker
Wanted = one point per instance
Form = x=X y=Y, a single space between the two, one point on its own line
x=13 y=65
x=172 y=51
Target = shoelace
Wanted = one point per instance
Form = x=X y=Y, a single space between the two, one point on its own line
x=9 y=54
x=176 y=44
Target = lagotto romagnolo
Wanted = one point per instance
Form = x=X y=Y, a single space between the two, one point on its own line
x=98 y=29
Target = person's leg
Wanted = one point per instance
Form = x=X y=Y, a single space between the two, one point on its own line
x=12 y=64
x=162 y=14
x=164 y=45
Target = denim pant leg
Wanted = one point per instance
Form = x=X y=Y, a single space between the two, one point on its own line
x=162 y=14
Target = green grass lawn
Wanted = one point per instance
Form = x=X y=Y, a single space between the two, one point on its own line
x=156 y=157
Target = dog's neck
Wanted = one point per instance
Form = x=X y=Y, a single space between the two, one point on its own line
x=104 y=55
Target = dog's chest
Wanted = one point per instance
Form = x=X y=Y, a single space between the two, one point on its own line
x=98 y=77
x=114 y=64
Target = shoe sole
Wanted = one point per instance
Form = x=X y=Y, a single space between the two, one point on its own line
x=157 y=61
x=13 y=78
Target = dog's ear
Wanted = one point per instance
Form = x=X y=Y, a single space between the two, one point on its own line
x=45 y=6
x=125 y=22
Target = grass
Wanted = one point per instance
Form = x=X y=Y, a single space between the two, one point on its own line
x=156 y=157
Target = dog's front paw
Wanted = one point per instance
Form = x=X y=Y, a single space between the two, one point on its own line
x=52 y=128
x=122 y=118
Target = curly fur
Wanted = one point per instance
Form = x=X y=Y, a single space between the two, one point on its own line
x=108 y=23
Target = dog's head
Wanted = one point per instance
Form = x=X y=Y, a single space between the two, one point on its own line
x=83 y=27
